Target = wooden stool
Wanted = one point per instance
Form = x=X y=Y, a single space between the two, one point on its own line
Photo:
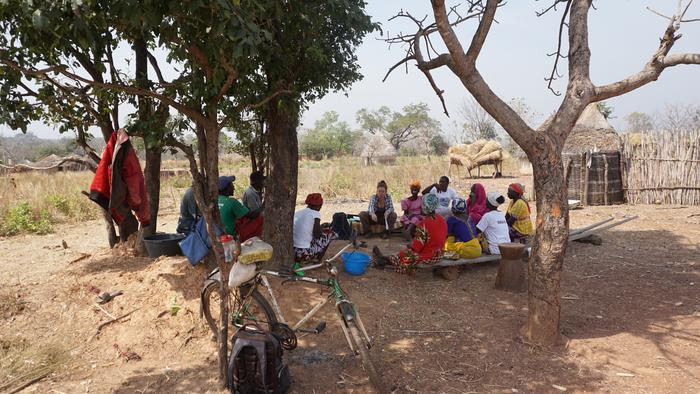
x=511 y=274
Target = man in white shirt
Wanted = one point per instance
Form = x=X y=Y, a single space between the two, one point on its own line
x=445 y=195
x=493 y=223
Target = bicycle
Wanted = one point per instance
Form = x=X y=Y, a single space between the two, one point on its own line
x=248 y=304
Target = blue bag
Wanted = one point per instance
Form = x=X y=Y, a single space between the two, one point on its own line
x=196 y=245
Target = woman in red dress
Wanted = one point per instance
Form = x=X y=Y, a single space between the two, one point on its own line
x=427 y=245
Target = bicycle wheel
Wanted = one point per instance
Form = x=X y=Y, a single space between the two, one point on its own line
x=363 y=349
x=243 y=308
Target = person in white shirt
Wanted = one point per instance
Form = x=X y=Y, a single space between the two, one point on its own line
x=445 y=195
x=310 y=238
x=493 y=223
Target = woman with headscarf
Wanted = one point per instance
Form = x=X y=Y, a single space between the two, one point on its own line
x=427 y=245
x=476 y=203
x=310 y=239
x=412 y=210
x=461 y=232
x=379 y=211
x=518 y=214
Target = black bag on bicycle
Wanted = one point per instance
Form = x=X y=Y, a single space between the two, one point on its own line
x=341 y=226
x=256 y=365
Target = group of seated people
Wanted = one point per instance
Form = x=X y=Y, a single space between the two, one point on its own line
x=435 y=220
x=241 y=219
x=439 y=221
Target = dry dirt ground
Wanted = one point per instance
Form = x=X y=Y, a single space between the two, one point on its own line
x=630 y=314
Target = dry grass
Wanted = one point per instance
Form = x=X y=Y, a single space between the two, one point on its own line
x=22 y=361
x=31 y=202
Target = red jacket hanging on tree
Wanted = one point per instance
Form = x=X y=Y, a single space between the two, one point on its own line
x=119 y=185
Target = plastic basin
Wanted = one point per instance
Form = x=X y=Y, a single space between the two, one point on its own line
x=163 y=245
x=355 y=263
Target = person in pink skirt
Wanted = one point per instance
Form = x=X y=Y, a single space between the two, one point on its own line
x=412 y=214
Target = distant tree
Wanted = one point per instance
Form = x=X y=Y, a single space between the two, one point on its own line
x=414 y=122
x=329 y=137
x=639 y=122
x=478 y=124
x=438 y=145
x=606 y=109
x=679 y=117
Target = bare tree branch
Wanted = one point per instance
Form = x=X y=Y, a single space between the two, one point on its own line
x=652 y=70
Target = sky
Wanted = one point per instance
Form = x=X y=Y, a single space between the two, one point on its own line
x=623 y=35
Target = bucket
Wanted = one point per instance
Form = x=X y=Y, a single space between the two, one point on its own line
x=355 y=263
x=163 y=245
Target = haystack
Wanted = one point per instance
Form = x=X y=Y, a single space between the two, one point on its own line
x=378 y=150
x=479 y=153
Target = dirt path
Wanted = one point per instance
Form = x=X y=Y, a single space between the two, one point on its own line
x=631 y=312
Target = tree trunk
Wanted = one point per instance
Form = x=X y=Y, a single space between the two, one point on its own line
x=549 y=246
x=281 y=190
x=152 y=179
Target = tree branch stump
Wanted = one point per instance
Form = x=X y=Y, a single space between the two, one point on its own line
x=511 y=273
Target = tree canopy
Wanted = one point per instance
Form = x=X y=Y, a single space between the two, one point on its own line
x=412 y=123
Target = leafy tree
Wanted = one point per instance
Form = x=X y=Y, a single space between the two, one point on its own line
x=543 y=145
x=606 y=109
x=639 y=122
x=438 y=145
x=414 y=122
x=311 y=53
x=329 y=137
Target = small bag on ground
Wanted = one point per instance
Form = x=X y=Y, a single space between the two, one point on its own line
x=341 y=226
x=256 y=364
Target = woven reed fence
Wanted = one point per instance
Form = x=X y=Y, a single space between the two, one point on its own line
x=662 y=168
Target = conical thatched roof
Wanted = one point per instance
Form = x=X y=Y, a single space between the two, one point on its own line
x=592 y=132
x=378 y=146
x=48 y=161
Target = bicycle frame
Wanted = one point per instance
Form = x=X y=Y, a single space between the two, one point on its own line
x=345 y=309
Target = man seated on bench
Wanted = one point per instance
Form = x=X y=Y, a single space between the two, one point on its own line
x=461 y=232
x=427 y=245
x=311 y=239
x=493 y=223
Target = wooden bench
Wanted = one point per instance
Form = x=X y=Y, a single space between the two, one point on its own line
x=449 y=269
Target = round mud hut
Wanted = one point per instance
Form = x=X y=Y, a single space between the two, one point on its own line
x=592 y=161
x=378 y=150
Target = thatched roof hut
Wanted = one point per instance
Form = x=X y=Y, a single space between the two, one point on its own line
x=592 y=132
x=378 y=149
x=592 y=159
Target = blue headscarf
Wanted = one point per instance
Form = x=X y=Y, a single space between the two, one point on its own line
x=459 y=205
x=430 y=203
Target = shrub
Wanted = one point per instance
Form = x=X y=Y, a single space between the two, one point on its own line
x=20 y=218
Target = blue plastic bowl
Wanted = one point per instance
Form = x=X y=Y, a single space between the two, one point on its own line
x=355 y=263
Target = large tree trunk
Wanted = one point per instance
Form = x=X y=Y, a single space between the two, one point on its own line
x=152 y=178
x=281 y=189
x=544 y=270
x=153 y=153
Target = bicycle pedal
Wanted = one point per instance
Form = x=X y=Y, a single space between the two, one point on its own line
x=320 y=327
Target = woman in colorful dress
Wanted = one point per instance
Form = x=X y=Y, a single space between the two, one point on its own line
x=427 y=245
x=311 y=239
x=518 y=214
x=476 y=203
x=412 y=210
x=461 y=232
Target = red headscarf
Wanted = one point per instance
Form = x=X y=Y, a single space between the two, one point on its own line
x=314 y=199
x=477 y=208
x=520 y=189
